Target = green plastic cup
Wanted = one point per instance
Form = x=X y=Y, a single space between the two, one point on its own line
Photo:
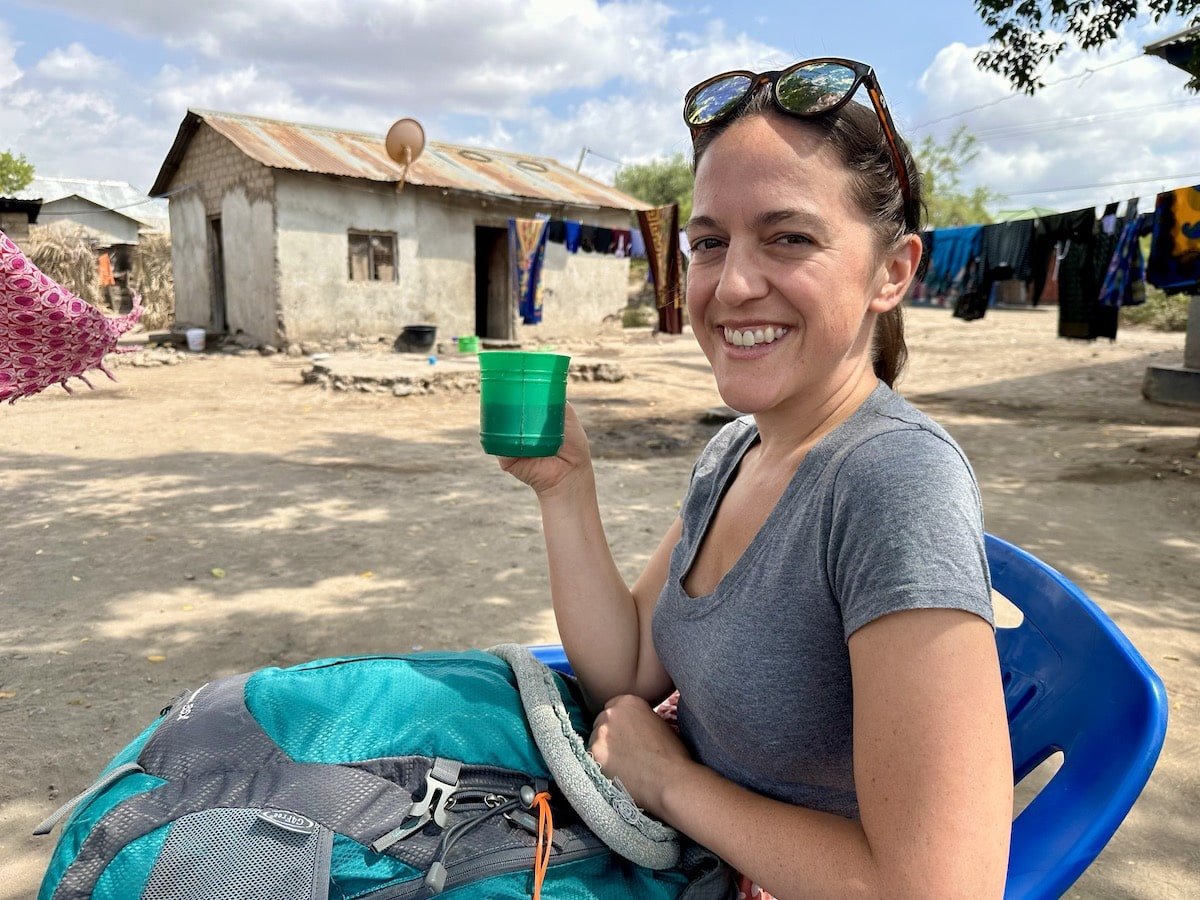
x=521 y=400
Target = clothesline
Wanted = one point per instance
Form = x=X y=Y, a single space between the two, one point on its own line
x=1089 y=264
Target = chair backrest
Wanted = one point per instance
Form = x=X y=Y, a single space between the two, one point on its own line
x=1072 y=683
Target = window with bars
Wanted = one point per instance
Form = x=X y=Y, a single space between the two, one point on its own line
x=372 y=256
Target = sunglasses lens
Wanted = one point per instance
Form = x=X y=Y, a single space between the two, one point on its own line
x=715 y=100
x=814 y=88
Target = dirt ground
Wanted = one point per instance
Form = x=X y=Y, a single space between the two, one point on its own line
x=218 y=515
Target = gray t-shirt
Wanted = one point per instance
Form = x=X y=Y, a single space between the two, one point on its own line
x=882 y=515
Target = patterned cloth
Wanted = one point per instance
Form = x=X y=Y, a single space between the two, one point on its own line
x=660 y=229
x=668 y=711
x=1124 y=283
x=527 y=248
x=1174 y=262
x=47 y=334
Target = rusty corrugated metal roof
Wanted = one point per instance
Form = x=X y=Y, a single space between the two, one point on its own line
x=353 y=154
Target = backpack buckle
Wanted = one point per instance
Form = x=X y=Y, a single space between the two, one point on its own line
x=441 y=782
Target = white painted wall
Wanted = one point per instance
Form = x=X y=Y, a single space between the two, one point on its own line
x=106 y=226
x=316 y=296
x=436 y=261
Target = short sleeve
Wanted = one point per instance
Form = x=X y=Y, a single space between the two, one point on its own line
x=906 y=530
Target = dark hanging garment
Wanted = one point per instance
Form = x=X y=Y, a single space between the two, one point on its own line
x=605 y=240
x=1174 y=264
x=1006 y=254
x=587 y=238
x=556 y=232
x=972 y=302
x=1073 y=237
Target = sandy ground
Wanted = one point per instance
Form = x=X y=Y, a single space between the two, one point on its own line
x=218 y=515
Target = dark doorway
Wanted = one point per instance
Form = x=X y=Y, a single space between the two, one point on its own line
x=493 y=306
x=216 y=260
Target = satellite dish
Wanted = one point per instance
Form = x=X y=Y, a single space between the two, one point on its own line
x=405 y=140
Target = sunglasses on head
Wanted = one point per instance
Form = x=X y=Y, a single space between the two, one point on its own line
x=814 y=87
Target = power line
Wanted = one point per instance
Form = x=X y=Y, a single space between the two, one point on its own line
x=1099 y=184
x=1084 y=74
x=1090 y=119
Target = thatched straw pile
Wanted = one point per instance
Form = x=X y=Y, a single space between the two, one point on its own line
x=65 y=254
x=151 y=276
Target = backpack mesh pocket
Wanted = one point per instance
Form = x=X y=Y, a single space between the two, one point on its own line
x=235 y=854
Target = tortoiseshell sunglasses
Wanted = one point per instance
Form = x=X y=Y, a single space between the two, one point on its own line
x=813 y=87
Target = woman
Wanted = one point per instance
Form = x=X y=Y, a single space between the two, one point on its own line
x=822 y=602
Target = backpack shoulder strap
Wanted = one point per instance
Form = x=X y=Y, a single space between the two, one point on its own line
x=602 y=803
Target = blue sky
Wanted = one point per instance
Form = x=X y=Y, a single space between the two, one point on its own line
x=98 y=91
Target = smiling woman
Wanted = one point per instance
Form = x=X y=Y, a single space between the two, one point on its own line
x=821 y=606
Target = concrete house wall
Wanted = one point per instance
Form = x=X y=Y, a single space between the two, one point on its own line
x=285 y=250
x=228 y=185
x=435 y=241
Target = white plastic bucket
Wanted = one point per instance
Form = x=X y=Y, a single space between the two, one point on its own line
x=195 y=338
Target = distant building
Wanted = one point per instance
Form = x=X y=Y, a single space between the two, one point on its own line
x=113 y=213
x=287 y=232
x=16 y=216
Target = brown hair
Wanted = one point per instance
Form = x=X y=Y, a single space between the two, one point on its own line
x=855 y=134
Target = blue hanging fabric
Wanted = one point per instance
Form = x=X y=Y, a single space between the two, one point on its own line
x=526 y=250
x=1124 y=282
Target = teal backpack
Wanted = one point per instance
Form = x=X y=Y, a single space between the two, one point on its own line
x=418 y=776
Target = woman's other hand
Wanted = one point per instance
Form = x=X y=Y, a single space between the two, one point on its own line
x=633 y=744
x=548 y=475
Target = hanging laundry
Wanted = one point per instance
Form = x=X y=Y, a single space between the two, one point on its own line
x=1174 y=262
x=1108 y=220
x=950 y=251
x=556 y=232
x=637 y=244
x=605 y=240
x=660 y=230
x=104 y=265
x=47 y=334
x=1005 y=254
x=1124 y=281
x=970 y=301
x=622 y=236
x=526 y=249
x=1070 y=238
x=587 y=238
x=571 y=233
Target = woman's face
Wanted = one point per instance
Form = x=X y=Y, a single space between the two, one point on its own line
x=786 y=278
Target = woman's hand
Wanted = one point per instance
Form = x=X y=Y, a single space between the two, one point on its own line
x=633 y=744
x=551 y=474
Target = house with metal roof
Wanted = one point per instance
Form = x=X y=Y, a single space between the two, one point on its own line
x=287 y=232
x=112 y=213
x=16 y=216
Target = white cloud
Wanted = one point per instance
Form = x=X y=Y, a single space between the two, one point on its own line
x=9 y=72
x=75 y=63
x=1113 y=115
x=478 y=56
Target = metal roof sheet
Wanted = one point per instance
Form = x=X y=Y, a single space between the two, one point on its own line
x=117 y=196
x=353 y=154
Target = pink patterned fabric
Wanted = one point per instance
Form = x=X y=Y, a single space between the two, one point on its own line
x=47 y=334
x=668 y=711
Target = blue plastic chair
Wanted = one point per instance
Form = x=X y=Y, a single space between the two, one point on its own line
x=1072 y=683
